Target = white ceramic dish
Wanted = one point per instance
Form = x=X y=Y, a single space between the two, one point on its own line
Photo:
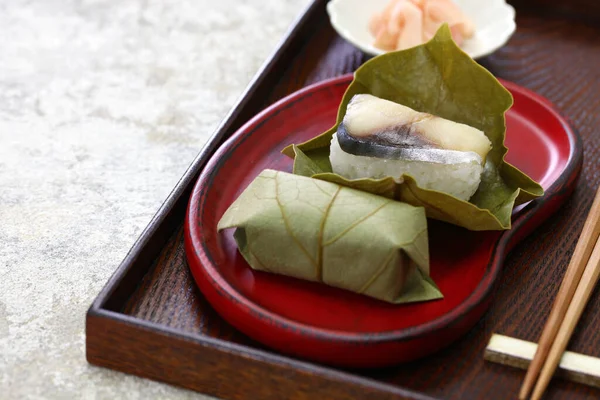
x=494 y=23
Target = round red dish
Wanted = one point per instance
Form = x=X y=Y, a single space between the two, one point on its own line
x=336 y=327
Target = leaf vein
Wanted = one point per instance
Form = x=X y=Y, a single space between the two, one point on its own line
x=260 y=263
x=286 y=223
x=320 y=236
x=355 y=224
x=321 y=189
x=377 y=273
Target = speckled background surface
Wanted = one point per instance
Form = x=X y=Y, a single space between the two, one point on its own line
x=103 y=105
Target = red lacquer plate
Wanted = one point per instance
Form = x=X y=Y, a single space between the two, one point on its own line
x=332 y=326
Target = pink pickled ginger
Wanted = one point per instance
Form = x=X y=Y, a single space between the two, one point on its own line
x=403 y=24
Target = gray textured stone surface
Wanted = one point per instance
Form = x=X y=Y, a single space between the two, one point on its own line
x=103 y=105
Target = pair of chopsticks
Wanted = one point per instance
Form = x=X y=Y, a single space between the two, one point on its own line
x=573 y=294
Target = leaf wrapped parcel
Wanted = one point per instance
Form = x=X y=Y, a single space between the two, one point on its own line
x=440 y=79
x=319 y=231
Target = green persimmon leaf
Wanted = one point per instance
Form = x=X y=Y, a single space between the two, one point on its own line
x=319 y=231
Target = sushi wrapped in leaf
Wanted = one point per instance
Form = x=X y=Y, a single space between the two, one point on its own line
x=440 y=80
x=379 y=138
x=319 y=231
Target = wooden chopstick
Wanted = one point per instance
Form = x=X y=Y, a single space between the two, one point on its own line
x=587 y=240
x=580 y=299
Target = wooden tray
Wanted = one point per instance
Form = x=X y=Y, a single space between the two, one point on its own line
x=150 y=320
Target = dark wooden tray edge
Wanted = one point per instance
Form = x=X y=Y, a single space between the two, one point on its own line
x=150 y=351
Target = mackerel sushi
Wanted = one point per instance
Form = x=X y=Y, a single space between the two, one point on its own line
x=379 y=138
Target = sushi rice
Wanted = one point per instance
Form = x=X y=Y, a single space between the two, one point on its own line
x=459 y=179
